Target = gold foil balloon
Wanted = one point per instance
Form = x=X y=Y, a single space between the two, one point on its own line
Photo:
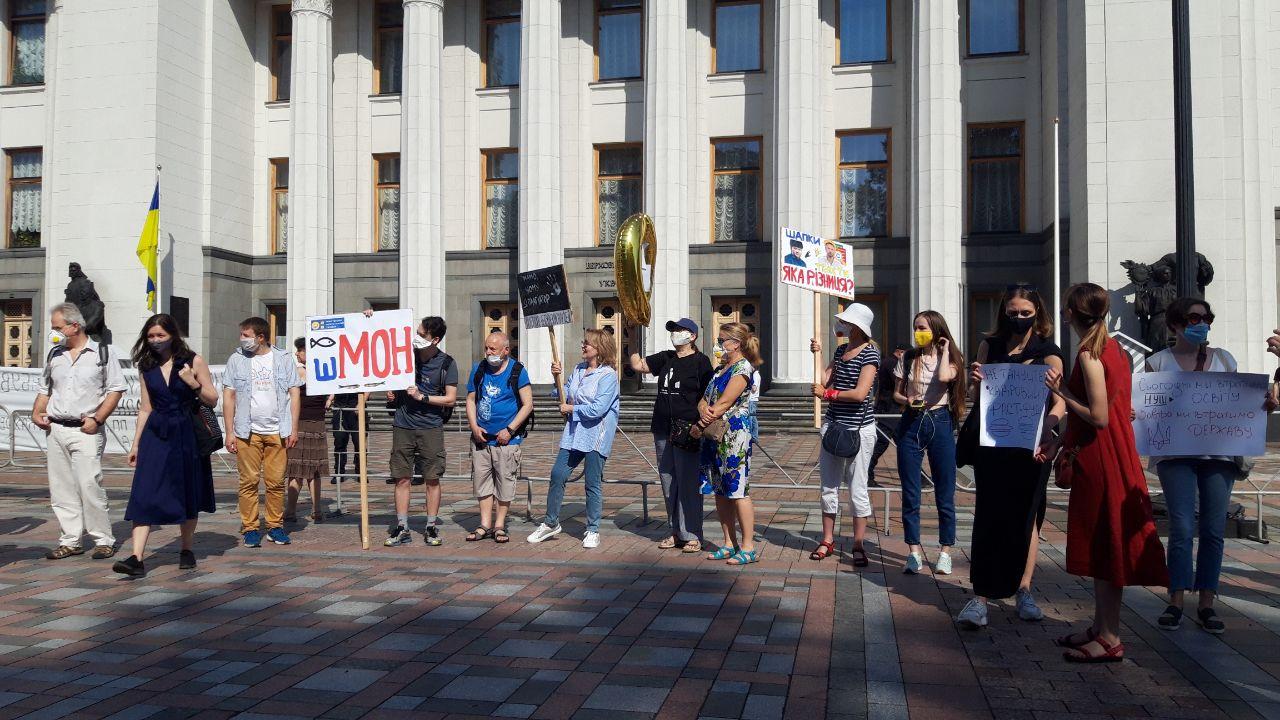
x=634 y=253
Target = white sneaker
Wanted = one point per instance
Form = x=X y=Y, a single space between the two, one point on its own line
x=1027 y=608
x=974 y=615
x=943 y=564
x=592 y=540
x=544 y=533
x=914 y=564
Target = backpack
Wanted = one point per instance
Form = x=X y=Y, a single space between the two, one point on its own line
x=513 y=382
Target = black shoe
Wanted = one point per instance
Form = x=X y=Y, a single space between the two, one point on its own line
x=186 y=560
x=432 y=536
x=130 y=566
x=1170 y=619
x=1210 y=622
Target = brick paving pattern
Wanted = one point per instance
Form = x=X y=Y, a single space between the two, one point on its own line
x=322 y=629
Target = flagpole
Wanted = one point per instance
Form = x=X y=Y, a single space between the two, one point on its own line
x=1057 y=238
x=159 y=265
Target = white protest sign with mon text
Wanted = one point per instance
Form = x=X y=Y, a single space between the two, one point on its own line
x=1012 y=405
x=1199 y=413
x=356 y=354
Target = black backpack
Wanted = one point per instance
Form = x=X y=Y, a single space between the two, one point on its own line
x=513 y=382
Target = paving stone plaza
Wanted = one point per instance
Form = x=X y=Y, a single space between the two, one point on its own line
x=321 y=629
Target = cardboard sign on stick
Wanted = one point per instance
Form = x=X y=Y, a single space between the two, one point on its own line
x=356 y=354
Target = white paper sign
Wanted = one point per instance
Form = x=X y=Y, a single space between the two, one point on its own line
x=1012 y=405
x=809 y=262
x=356 y=354
x=1199 y=413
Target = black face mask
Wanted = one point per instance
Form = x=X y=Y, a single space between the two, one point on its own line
x=1021 y=325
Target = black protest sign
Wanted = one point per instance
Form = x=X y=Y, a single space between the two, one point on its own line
x=544 y=297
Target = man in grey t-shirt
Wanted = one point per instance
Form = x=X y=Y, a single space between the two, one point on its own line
x=417 y=439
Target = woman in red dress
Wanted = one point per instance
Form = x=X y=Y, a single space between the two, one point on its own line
x=1111 y=536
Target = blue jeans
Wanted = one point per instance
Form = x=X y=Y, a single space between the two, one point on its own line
x=920 y=433
x=566 y=461
x=1184 y=482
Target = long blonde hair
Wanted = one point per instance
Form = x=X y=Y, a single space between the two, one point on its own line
x=745 y=338
x=603 y=342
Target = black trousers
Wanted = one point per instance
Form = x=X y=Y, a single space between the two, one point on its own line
x=346 y=426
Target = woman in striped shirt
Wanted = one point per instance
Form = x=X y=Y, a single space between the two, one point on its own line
x=849 y=388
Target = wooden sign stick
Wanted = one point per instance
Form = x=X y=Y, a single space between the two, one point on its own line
x=817 y=359
x=364 y=473
x=555 y=357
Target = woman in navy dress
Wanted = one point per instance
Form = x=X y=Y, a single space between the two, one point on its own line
x=172 y=481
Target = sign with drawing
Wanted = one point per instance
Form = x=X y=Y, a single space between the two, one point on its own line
x=356 y=354
x=544 y=297
x=1199 y=413
x=1012 y=404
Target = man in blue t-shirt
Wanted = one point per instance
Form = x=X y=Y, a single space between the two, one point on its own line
x=499 y=403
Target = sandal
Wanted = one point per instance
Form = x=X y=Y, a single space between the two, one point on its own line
x=500 y=536
x=1072 y=641
x=1170 y=619
x=692 y=546
x=823 y=551
x=723 y=553
x=744 y=557
x=480 y=533
x=667 y=543
x=860 y=557
x=1082 y=654
x=1210 y=622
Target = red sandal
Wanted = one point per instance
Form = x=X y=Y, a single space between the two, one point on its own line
x=824 y=551
x=1109 y=654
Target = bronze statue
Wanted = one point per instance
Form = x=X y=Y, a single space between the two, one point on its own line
x=80 y=292
x=1156 y=289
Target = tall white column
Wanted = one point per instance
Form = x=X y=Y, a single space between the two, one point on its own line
x=937 y=128
x=55 y=265
x=310 y=261
x=422 y=274
x=540 y=212
x=797 y=125
x=666 y=160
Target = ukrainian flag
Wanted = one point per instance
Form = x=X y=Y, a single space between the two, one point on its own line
x=149 y=247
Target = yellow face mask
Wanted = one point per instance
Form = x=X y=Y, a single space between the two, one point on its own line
x=924 y=338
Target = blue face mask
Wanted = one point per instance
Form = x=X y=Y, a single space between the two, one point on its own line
x=1197 y=334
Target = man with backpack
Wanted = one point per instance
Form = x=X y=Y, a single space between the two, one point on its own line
x=499 y=410
x=417 y=435
x=82 y=385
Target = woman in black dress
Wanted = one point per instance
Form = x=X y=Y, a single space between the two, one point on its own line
x=172 y=481
x=1011 y=483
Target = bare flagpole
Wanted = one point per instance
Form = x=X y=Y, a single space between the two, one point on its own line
x=1057 y=237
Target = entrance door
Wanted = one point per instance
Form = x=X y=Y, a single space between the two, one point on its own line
x=727 y=310
x=17 y=333
x=609 y=318
x=501 y=317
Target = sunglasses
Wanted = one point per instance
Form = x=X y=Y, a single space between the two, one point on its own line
x=1197 y=318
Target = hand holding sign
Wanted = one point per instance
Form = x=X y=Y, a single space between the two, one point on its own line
x=544 y=302
x=1011 y=404
x=1200 y=413
x=359 y=353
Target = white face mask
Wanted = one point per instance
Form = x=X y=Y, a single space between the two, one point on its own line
x=421 y=343
x=681 y=337
x=249 y=345
x=56 y=338
x=494 y=360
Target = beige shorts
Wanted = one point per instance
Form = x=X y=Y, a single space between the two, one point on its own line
x=494 y=471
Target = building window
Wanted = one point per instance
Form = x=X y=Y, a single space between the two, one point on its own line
x=501 y=317
x=863 y=172
x=386 y=173
x=737 y=36
x=281 y=46
x=26 y=32
x=501 y=172
x=995 y=178
x=278 y=326
x=862 y=31
x=501 y=56
x=725 y=310
x=279 y=206
x=388 y=46
x=619 y=44
x=736 y=190
x=619 y=188
x=17 y=333
x=25 y=169
x=995 y=27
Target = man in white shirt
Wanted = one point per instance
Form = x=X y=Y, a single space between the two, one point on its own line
x=82 y=385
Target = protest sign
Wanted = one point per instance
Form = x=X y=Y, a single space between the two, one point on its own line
x=356 y=354
x=1199 y=413
x=1011 y=405
x=544 y=297
x=809 y=262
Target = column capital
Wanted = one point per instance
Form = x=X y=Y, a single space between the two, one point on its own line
x=324 y=7
x=437 y=4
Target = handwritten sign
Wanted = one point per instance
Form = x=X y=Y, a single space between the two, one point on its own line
x=357 y=354
x=809 y=262
x=1012 y=405
x=544 y=297
x=1199 y=413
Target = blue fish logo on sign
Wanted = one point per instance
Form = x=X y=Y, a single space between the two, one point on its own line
x=333 y=323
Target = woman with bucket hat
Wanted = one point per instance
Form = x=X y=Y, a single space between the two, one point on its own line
x=849 y=431
x=683 y=373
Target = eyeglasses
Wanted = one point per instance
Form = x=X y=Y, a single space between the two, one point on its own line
x=1197 y=318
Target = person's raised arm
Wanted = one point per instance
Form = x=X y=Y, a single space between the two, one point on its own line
x=638 y=364
x=947 y=370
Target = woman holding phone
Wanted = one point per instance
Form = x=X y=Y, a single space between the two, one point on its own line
x=1011 y=482
x=931 y=384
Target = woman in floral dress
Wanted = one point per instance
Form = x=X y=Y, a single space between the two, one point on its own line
x=726 y=461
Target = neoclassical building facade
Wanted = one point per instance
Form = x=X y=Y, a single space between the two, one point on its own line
x=333 y=155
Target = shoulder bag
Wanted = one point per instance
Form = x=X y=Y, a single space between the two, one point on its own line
x=681 y=435
x=205 y=423
x=841 y=441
